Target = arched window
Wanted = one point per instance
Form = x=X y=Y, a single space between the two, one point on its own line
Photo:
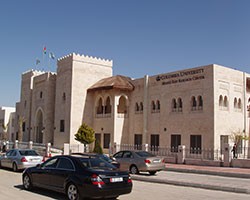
x=174 y=105
x=122 y=108
x=225 y=103
x=108 y=106
x=136 y=107
x=235 y=102
x=179 y=104
x=141 y=106
x=99 y=109
x=193 y=103
x=158 y=105
x=221 y=101
x=200 y=103
x=239 y=103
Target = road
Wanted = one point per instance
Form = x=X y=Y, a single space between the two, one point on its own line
x=11 y=188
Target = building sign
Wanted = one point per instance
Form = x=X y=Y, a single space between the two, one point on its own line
x=181 y=77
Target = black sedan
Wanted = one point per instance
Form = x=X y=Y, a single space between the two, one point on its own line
x=101 y=156
x=78 y=176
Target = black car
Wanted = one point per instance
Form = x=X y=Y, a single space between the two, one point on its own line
x=101 y=156
x=78 y=176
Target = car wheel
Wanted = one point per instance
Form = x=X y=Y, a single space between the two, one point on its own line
x=27 y=184
x=72 y=192
x=134 y=170
x=152 y=172
x=14 y=167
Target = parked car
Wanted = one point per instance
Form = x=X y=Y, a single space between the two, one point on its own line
x=18 y=159
x=78 y=176
x=139 y=161
x=101 y=156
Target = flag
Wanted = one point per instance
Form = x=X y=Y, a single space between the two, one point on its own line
x=37 y=61
x=44 y=50
x=51 y=55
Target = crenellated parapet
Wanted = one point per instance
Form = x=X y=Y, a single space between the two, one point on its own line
x=85 y=59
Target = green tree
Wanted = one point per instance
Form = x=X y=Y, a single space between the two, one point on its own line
x=237 y=137
x=85 y=134
x=98 y=148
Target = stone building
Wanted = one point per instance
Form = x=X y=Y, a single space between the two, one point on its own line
x=7 y=122
x=197 y=107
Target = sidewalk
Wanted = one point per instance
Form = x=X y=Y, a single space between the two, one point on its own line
x=219 y=171
x=213 y=178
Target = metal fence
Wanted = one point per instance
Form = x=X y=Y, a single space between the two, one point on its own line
x=204 y=154
x=243 y=152
x=193 y=153
x=39 y=147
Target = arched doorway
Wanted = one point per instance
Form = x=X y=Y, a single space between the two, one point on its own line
x=39 y=127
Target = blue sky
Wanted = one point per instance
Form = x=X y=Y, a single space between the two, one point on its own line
x=140 y=36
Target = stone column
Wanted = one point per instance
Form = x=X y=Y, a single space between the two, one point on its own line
x=16 y=144
x=226 y=162
x=181 y=154
x=145 y=147
x=66 y=149
x=30 y=145
x=47 y=152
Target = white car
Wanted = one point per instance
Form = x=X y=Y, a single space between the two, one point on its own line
x=18 y=159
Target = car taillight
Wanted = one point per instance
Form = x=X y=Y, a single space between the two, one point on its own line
x=163 y=161
x=23 y=159
x=96 y=180
x=129 y=179
x=147 y=161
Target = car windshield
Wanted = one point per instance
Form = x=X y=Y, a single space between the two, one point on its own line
x=96 y=163
x=144 y=154
x=28 y=153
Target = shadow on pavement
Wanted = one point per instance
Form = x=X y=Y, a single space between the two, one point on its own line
x=44 y=192
x=47 y=193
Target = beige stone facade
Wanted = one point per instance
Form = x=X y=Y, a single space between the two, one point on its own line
x=197 y=107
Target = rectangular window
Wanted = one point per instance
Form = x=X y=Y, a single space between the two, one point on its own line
x=138 y=141
x=106 y=140
x=62 y=125
x=175 y=142
x=24 y=126
x=195 y=144
x=155 y=141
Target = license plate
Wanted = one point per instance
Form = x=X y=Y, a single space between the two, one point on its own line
x=34 y=159
x=157 y=161
x=114 y=180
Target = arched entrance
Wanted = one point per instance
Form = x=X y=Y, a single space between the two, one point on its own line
x=39 y=127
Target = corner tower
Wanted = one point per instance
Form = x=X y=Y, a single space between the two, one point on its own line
x=75 y=74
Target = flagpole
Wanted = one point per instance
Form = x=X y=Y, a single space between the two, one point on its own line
x=43 y=55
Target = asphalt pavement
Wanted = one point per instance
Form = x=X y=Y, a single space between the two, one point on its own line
x=214 y=178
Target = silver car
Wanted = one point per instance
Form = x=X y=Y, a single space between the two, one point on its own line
x=18 y=159
x=139 y=161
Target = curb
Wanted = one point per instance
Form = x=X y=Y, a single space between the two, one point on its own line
x=215 y=173
x=190 y=184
